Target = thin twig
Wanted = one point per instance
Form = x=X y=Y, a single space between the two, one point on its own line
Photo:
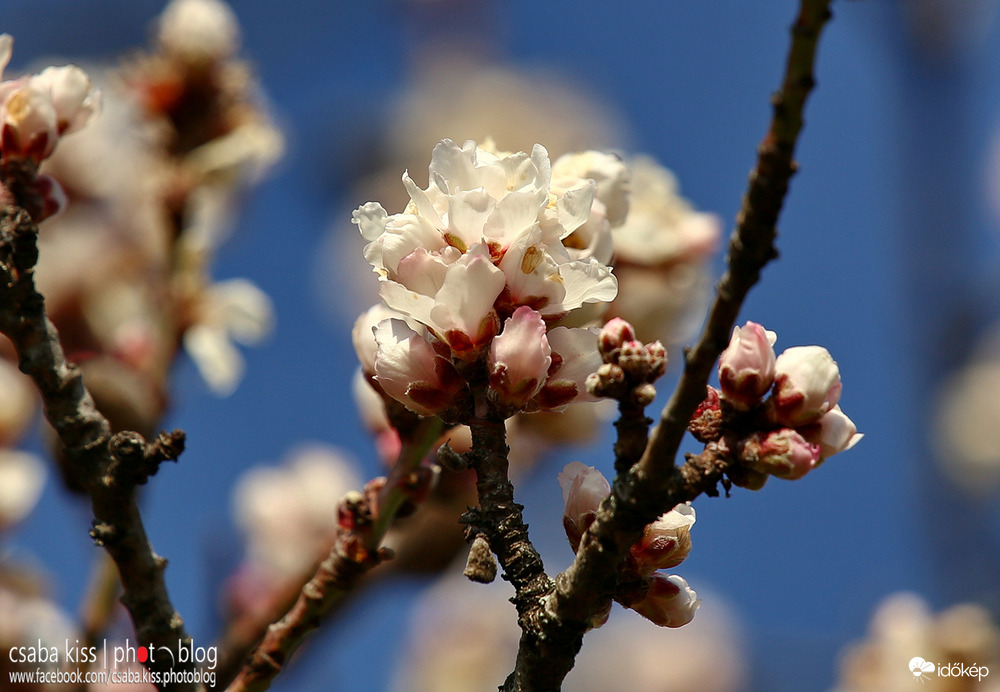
x=85 y=435
x=354 y=554
x=654 y=484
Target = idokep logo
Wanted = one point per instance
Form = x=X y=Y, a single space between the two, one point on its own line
x=922 y=670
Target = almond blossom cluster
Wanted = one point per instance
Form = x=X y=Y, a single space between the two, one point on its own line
x=786 y=434
x=36 y=111
x=665 y=599
x=475 y=274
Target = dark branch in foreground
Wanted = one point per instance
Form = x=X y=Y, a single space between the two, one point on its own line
x=107 y=472
x=553 y=632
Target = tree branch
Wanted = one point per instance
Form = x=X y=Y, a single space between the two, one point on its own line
x=365 y=519
x=654 y=484
x=86 y=435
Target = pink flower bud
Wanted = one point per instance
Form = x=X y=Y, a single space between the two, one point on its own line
x=806 y=385
x=408 y=369
x=666 y=542
x=746 y=367
x=670 y=602
x=834 y=433
x=519 y=358
x=783 y=453
x=583 y=490
x=612 y=336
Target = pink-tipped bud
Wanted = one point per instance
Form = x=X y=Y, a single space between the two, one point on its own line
x=408 y=369
x=612 y=336
x=834 y=433
x=519 y=358
x=670 y=602
x=666 y=542
x=806 y=385
x=747 y=366
x=583 y=490
x=783 y=453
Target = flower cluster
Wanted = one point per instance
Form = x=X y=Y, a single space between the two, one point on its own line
x=35 y=112
x=665 y=599
x=790 y=432
x=475 y=273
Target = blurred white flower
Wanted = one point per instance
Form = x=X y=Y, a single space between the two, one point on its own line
x=17 y=403
x=289 y=512
x=199 y=30
x=463 y=638
x=968 y=423
x=661 y=256
x=903 y=627
x=22 y=478
x=27 y=619
x=629 y=653
x=233 y=310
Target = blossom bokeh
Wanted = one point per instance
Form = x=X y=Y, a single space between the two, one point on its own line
x=890 y=249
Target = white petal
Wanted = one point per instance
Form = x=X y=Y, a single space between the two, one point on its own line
x=468 y=293
x=217 y=360
x=585 y=282
x=543 y=165
x=515 y=214
x=370 y=218
x=453 y=168
x=574 y=206
x=423 y=203
x=423 y=272
x=409 y=303
x=467 y=214
x=242 y=309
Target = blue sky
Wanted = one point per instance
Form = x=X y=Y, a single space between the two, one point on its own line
x=888 y=258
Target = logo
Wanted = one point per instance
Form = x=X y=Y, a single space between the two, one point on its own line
x=920 y=668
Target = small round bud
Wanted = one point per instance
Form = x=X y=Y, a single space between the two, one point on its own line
x=612 y=336
x=783 y=453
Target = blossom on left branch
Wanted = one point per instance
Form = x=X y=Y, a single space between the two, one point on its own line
x=35 y=112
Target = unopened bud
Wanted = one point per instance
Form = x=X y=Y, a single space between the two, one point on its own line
x=670 y=602
x=783 y=453
x=666 y=542
x=806 y=385
x=612 y=336
x=583 y=490
x=747 y=366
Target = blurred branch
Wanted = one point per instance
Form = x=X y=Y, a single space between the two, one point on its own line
x=654 y=484
x=108 y=477
x=364 y=520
